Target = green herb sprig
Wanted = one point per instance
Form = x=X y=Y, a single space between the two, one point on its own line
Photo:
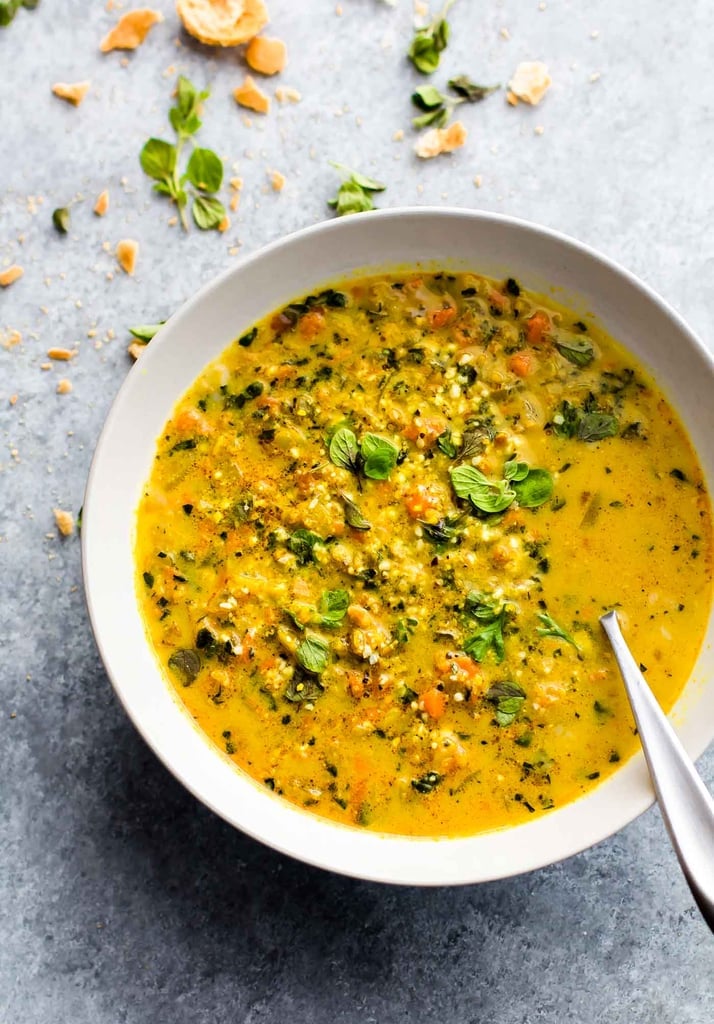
x=9 y=8
x=531 y=487
x=161 y=161
x=551 y=628
x=355 y=193
x=374 y=457
x=492 y=620
x=508 y=699
x=438 y=107
x=430 y=41
x=145 y=332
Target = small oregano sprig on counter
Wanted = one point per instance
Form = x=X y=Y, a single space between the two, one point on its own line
x=438 y=106
x=161 y=161
x=355 y=193
x=9 y=8
x=429 y=42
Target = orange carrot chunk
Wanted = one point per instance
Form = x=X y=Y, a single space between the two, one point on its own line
x=537 y=326
x=434 y=702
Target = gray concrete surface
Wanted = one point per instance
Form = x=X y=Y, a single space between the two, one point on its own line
x=121 y=898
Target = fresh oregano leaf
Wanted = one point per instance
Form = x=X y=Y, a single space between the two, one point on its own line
x=353 y=515
x=158 y=159
x=205 y=170
x=535 y=489
x=145 y=332
x=61 y=219
x=470 y=91
x=208 y=212
x=343 y=449
x=313 y=654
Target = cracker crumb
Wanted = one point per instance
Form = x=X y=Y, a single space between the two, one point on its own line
x=286 y=94
x=10 y=275
x=251 y=96
x=71 y=92
x=13 y=399
x=127 y=251
x=398 y=135
x=102 y=204
x=225 y=224
x=530 y=83
x=11 y=339
x=440 y=140
x=338 y=10
x=222 y=22
x=62 y=355
x=478 y=181
x=538 y=130
x=504 y=33
x=172 y=222
x=135 y=350
x=595 y=76
x=595 y=33
x=277 y=180
x=266 y=56
x=234 y=202
x=64 y=521
x=234 y=250
x=45 y=366
x=64 y=386
x=131 y=30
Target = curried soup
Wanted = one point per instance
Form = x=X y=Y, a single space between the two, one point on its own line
x=377 y=536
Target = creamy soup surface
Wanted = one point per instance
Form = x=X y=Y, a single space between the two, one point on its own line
x=377 y=536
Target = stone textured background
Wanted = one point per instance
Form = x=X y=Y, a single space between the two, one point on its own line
x=121 y=898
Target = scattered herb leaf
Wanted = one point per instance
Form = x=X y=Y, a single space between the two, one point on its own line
x=313 y=654
x=551 y=628
x=508 y=699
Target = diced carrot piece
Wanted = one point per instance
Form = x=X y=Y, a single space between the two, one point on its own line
x=536 y=326
x=522 y=364
x=441 y=317
x=434 y=702
x=420 y=501
x=497 y=299
x=466 y=665
x=425 y=428
x=312 y=323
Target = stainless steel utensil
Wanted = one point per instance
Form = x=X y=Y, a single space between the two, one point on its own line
x=685 y=803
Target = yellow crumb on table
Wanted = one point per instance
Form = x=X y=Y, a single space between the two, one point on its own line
x=127 y=251
x=135 y=350
x=277 y=180
x=11 y=338
x=131 y=30
x=64 y=521
x=286 y=94
x=62 y=355
x=251 y=96
x=266 y=56
x=64 y=386
x=102 y=204
x=225 y=224
x=12 y=399
x=10 y=275
x=530 y=83
x=441 y=140
x=222 y=22
x=72 y=92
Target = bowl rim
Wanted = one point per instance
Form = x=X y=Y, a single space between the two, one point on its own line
x=316 y=857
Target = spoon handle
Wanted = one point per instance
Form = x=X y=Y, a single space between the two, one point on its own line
x=686 y=806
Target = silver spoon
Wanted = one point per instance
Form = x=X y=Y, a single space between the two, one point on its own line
x=686 y=806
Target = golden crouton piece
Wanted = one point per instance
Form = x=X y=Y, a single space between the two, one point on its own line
x=102 y=204
x=10 y=275
x=72 y=92
x=64 y=521
x=441 y=140
x=131 y=30
x=222 y=22
x=266 y=56
x=126 y=252
x=530 y=83
x=249 y=95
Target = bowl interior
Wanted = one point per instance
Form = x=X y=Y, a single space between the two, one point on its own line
x=489 y=244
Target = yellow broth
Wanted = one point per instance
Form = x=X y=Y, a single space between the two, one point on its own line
x=378 y=534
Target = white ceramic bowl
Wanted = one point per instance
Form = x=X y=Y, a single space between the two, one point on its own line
x=288 y=269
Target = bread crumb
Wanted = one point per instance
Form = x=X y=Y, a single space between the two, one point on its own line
x=64 y=386
x=504 y=34
x=131 y=30
x=225 y=224
x=11 y=339
x=45 y=366
x=286 y=94
x=73 y=93
x=338 y=10
x=530 y=83
x=222 y=22
x=172 y=222
x=102 y=204
x=64 y=521
x=251 y=96
x=127 y=252
x=595 y=76
x=266 y=56
x=538 y=130
x=595 y=33
x=235 y=202
x=63 y=355
x=234 y=250
x=277 y=180
x=440 y=140
x=135 y=350
x=13 y=399
x=10 y=275
x=398 y=135
x=478 y=181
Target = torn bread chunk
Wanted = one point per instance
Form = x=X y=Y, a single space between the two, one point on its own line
x=250 y=96
x=440 y=140
x=266 y=56
x=71 y=92
x=222 y=22
x=530 y=83
x=131 y=30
